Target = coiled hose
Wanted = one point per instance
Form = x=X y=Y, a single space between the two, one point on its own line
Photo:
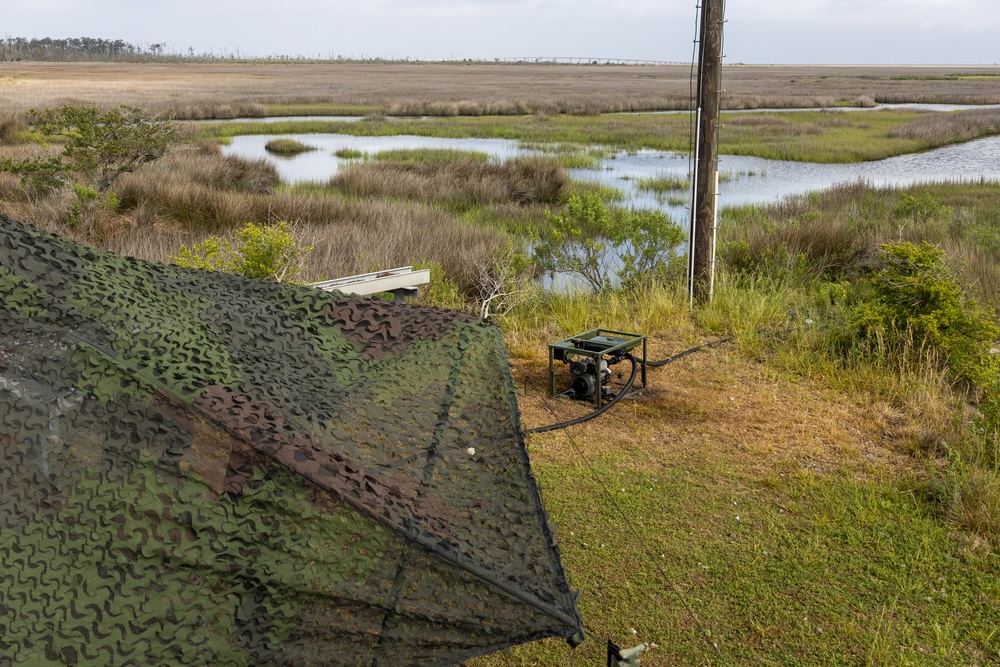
x=628 y=385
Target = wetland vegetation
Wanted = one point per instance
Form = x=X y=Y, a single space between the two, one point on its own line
x=807 y=136
x=823 y=490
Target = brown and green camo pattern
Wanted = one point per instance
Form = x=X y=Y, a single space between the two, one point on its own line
x=202 y=469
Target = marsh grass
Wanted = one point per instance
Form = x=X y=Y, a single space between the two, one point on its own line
x=814 y=136
x=194 y=192
x=286 y=147
x=834 y=234
x=662 y=185
x=950 y=127
x=605 y=192
x=348 y=153
x=232 y=90
x=572 y=156
x=429 y=155
x=457 y=183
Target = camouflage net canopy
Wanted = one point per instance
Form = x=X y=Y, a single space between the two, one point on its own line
x=202 y=469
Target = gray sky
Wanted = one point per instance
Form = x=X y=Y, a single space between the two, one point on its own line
x=758 y=31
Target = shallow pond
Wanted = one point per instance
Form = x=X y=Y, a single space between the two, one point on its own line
x=746 y=180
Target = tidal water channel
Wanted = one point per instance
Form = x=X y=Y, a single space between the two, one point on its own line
x=745 y=180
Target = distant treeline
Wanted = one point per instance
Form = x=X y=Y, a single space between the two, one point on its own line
x=77 y=49
x=96 y=49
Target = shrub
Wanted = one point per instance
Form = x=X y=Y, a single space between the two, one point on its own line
x=604 y=246
x=97 y=145
x=442 y=291
x=913 y=293
x=268 y=252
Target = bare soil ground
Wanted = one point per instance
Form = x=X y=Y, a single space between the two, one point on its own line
x=718 y=406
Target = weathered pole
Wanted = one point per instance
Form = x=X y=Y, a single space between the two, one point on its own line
x=701 y=269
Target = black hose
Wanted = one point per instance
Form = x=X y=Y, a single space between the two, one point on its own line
x=628 y=385
x=601 y=410
x=681 y=355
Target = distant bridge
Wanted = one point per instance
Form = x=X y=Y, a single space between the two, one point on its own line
x=574 y=60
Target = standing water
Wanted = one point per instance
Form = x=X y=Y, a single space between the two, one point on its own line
x=745 y=180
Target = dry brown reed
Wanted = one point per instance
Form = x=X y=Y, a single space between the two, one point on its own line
x=958 y=126
x=219 y=90
x=11 y=125
x=460 y=183
x=835 y=234
x=194 y=191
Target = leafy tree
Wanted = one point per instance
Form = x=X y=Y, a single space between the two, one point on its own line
x=268 y=252
x=98 y=146
x=604 y=246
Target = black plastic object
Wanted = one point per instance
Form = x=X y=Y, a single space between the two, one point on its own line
x=202 y=469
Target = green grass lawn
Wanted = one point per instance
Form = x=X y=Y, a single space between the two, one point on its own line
x=819 y=569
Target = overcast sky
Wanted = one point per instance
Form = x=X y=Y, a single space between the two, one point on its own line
x=758 y=31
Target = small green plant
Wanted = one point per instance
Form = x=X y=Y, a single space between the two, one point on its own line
x=268 y=252
x=442 y=291
x=605 y=246
x=98 y=146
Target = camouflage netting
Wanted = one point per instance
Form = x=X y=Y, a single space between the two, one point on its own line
x=202 y=469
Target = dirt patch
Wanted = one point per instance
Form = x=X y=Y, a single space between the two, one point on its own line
x=721 y=409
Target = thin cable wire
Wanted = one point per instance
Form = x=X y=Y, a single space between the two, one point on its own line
x=692 y=148
x=691 y=94
x=635 y=534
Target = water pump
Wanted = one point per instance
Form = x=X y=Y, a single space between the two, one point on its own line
x=590 y=356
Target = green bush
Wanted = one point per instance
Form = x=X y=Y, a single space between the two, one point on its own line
x=913 y=295
x=919 y=208
x=268 y=252
x=442 y=291
x=605 y=245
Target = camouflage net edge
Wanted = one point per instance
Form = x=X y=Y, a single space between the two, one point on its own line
x=204 y=469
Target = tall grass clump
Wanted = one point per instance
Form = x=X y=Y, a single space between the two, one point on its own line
x=429 y=155
x=661 y=185
x=286 y=147
x=458 y=183
x=941 y=128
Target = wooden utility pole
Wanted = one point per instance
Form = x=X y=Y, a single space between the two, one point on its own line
x=701 y=269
